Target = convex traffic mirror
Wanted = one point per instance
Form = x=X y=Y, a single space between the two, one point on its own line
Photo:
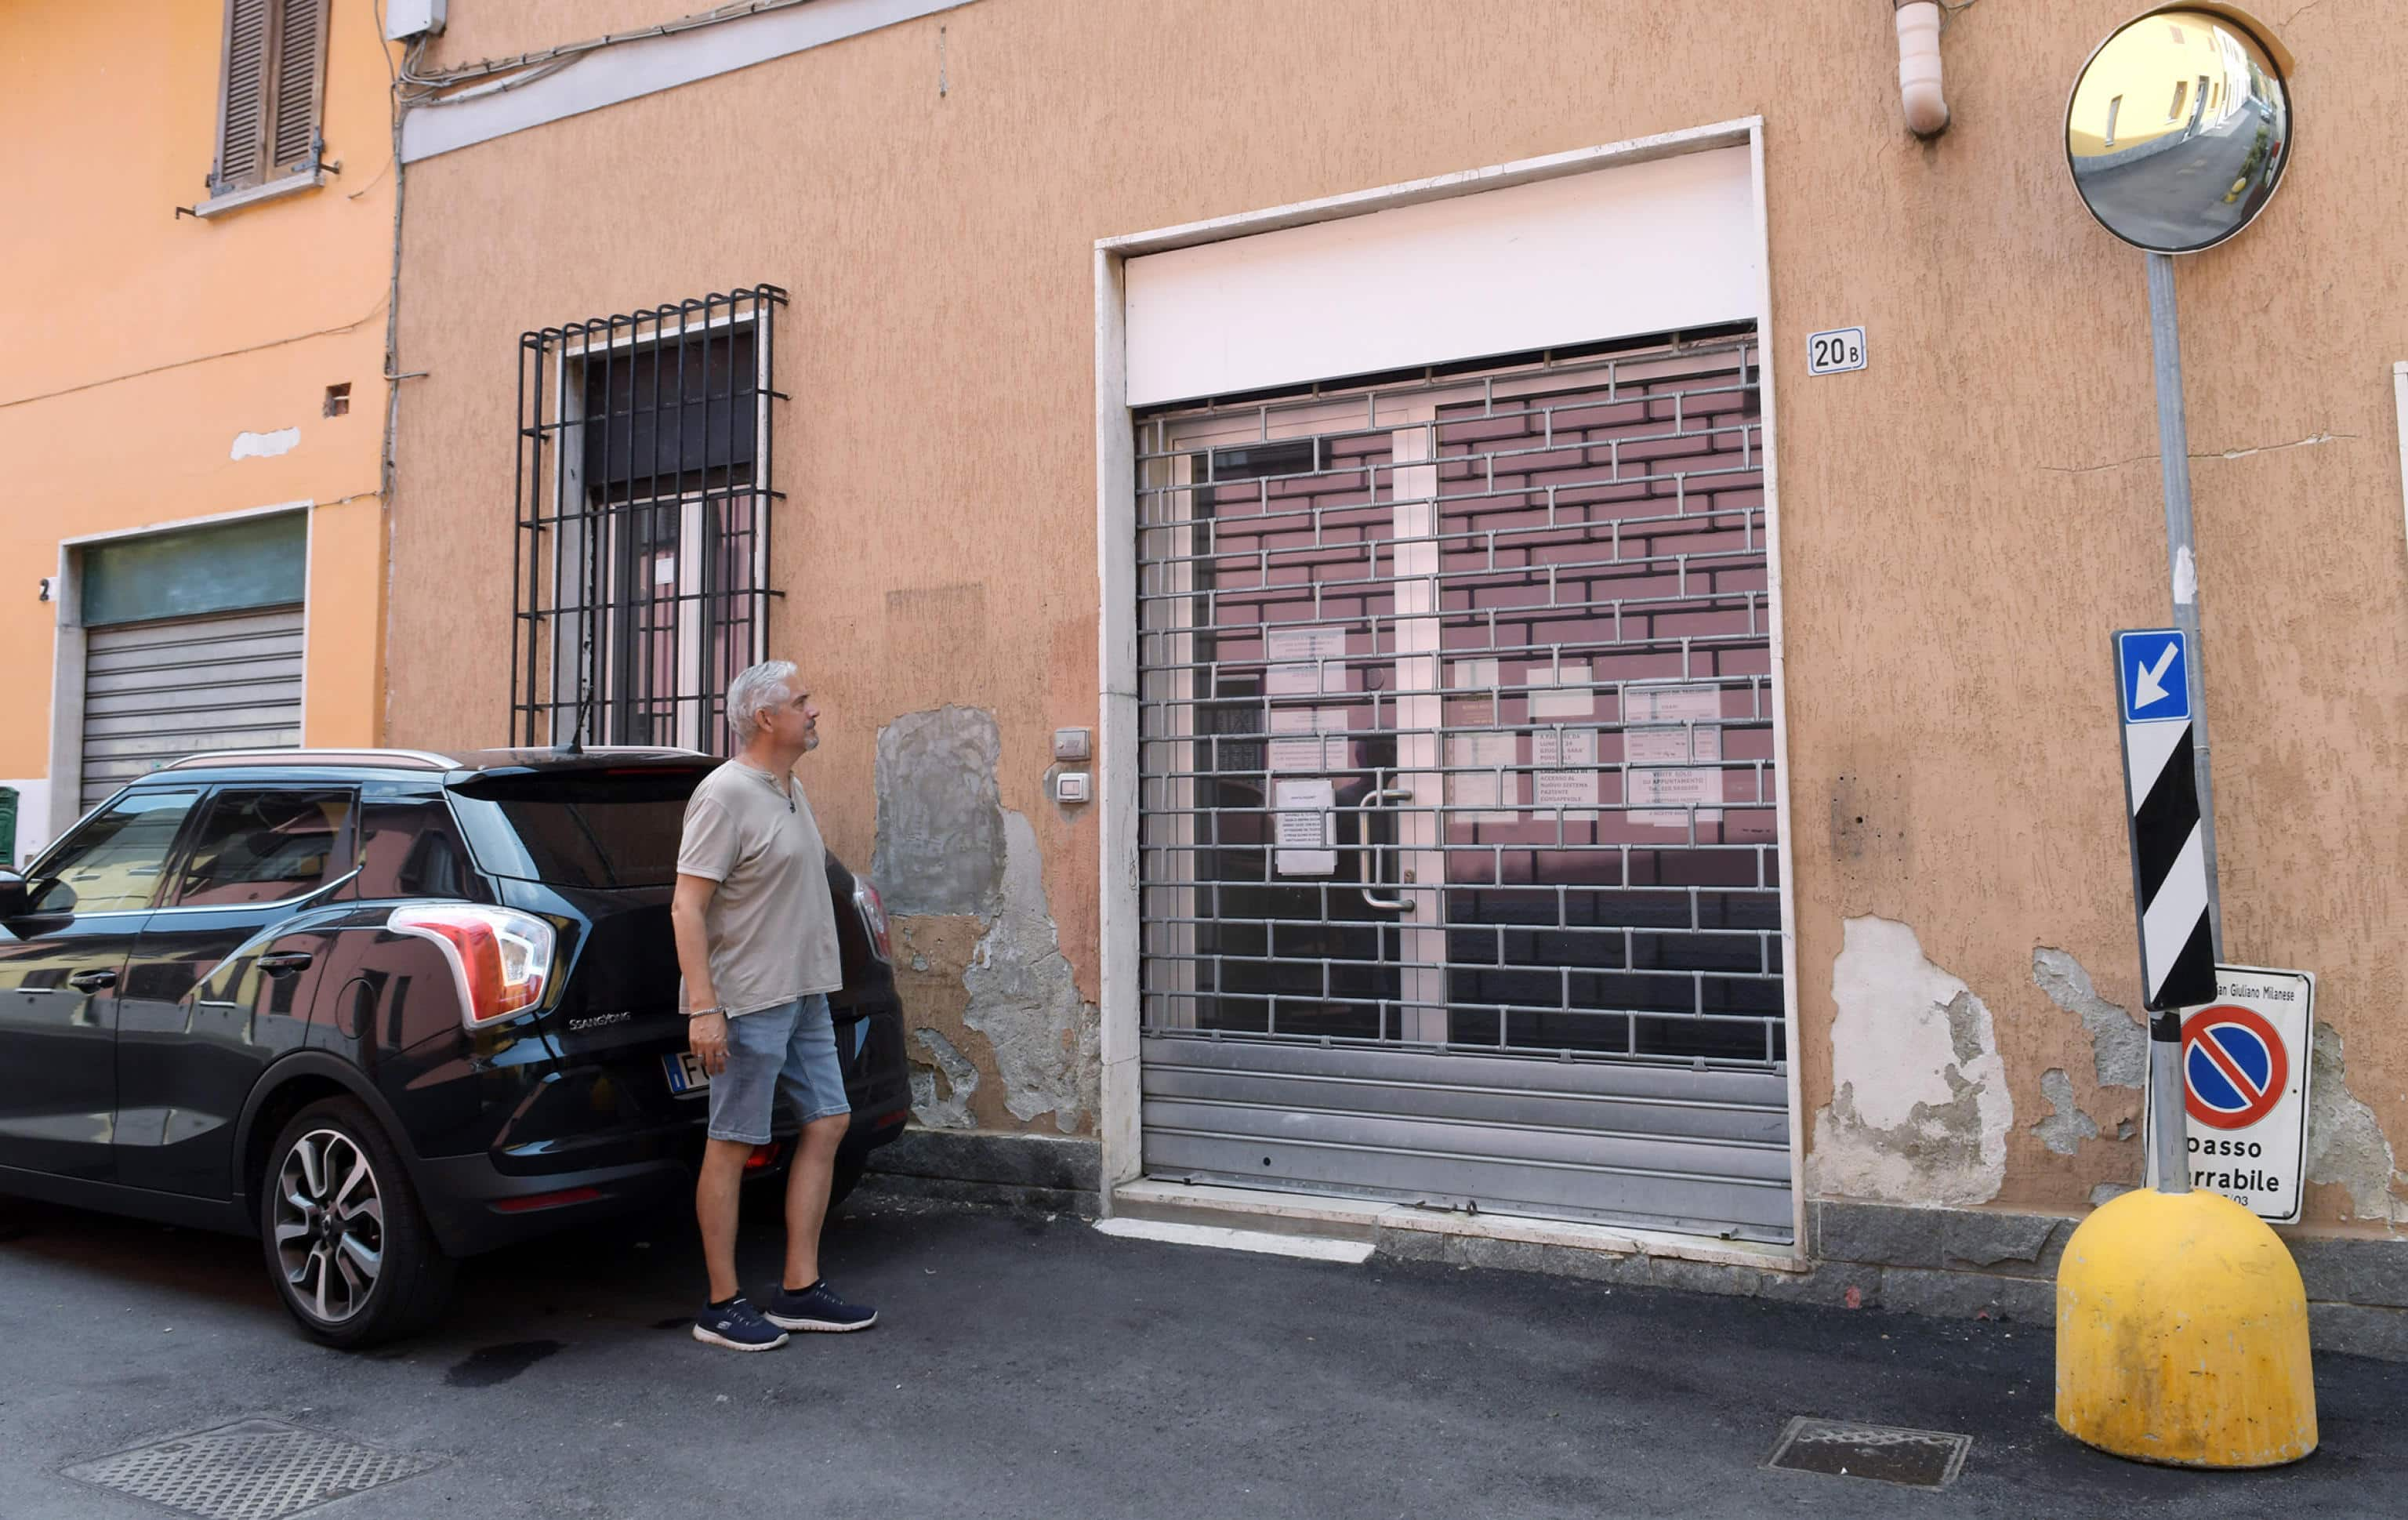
x=2178 y=131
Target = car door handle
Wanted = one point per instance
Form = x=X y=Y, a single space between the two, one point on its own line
x=91 y=980
x=285 y=962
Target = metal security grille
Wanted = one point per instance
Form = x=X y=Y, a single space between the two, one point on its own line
x=1459 y=820
x=157 y=692
x=255 y=1469
x=644 y=510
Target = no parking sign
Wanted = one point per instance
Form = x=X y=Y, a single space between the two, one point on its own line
x=2245 y=1060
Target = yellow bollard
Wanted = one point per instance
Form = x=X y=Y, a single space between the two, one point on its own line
x=2181 y=1336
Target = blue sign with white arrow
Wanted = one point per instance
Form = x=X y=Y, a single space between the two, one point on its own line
x=2157 y=676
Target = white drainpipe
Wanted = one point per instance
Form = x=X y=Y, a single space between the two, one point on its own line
x=1918 y=68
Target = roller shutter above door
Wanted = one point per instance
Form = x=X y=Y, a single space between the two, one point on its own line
x=156 y=692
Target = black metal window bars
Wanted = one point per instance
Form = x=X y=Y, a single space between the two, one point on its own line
x=644 y=495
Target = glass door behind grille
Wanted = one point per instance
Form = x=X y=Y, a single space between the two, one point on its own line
x=1456 y=711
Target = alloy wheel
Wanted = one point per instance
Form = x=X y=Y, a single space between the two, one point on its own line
x=329 y=1225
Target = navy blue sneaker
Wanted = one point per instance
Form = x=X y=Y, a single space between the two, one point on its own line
x=739 y=1326
x=817 y=1308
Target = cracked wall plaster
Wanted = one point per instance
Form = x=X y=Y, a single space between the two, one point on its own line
x=2119 y=1045
x=2346 y=1146
x=1025 y=997
x=1920 y=1108
x=946 y=847
x=949 y=1110
x=2064 y=1130
x=939 y=819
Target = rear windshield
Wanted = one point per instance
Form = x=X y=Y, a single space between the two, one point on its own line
x=587 y=829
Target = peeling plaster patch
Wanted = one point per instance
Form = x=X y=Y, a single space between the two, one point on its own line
x=265 y=445
x=2346 y=1145
x=2065 y=1129
x=1920 y=1108
x=1025 y=998
x=939 y=819
x=2119 y=1046
x=951 y=1111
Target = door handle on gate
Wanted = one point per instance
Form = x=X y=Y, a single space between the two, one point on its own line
x=1386 y=793
x=91 y=980
x=285 y=962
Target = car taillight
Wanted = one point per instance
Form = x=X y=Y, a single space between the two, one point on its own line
x=873 y=918
x=501 y=959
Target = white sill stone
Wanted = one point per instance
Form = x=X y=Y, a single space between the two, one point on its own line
x=234 y=200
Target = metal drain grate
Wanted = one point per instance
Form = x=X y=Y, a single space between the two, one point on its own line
x=256 y=1469
x=1882 y=1453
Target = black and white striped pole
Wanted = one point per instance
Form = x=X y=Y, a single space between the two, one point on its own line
x=2166 y=804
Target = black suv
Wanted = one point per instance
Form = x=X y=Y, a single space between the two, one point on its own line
x=382 y=1009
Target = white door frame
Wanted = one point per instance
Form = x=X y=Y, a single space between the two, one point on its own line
x=1117 y=783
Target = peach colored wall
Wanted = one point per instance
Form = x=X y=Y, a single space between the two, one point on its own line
x=1963 y=521
x=141 y=343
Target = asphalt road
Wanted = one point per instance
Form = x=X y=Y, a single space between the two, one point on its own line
x=1028 y=1365
x=2176 y=198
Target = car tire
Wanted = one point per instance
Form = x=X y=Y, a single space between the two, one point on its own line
x=846 y=1176
x=347 y=1245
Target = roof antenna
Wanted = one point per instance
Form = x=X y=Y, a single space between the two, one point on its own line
x=576 y=744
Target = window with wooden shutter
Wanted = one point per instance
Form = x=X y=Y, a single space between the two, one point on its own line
x=272 y=93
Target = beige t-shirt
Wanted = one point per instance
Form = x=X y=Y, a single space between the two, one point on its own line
x=771 y=924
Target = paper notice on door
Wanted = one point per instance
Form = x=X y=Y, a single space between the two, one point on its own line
x=1572 y=790
x=1471 y=675
x=1297 y=657
x=1566 y=771
x=1311 y=755
x=1283 y=644
x=1303 y=831
x=1574 y=699
x=1671 y=704
x=1563 y=747
x=1672 y=746
x=1679 y=789
x=1475 y=795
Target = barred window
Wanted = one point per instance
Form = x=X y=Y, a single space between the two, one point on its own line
x=644 y=504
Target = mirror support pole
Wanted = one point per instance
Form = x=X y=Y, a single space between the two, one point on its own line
x=2168 y=1126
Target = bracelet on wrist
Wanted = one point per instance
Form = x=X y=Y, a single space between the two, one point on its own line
x=706 y=1013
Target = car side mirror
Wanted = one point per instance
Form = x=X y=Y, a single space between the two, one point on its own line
x=16 y=895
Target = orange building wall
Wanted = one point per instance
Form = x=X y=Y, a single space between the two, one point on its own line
x=142 y=343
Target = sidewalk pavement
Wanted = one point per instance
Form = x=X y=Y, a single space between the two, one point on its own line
x=1029 y=1366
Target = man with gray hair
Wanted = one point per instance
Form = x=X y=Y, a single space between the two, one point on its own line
x=756 y=943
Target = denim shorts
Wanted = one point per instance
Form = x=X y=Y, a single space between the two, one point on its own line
x=787 y=1051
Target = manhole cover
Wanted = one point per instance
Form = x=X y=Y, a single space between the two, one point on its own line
x=1884 y=1453
x=256 y=1469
